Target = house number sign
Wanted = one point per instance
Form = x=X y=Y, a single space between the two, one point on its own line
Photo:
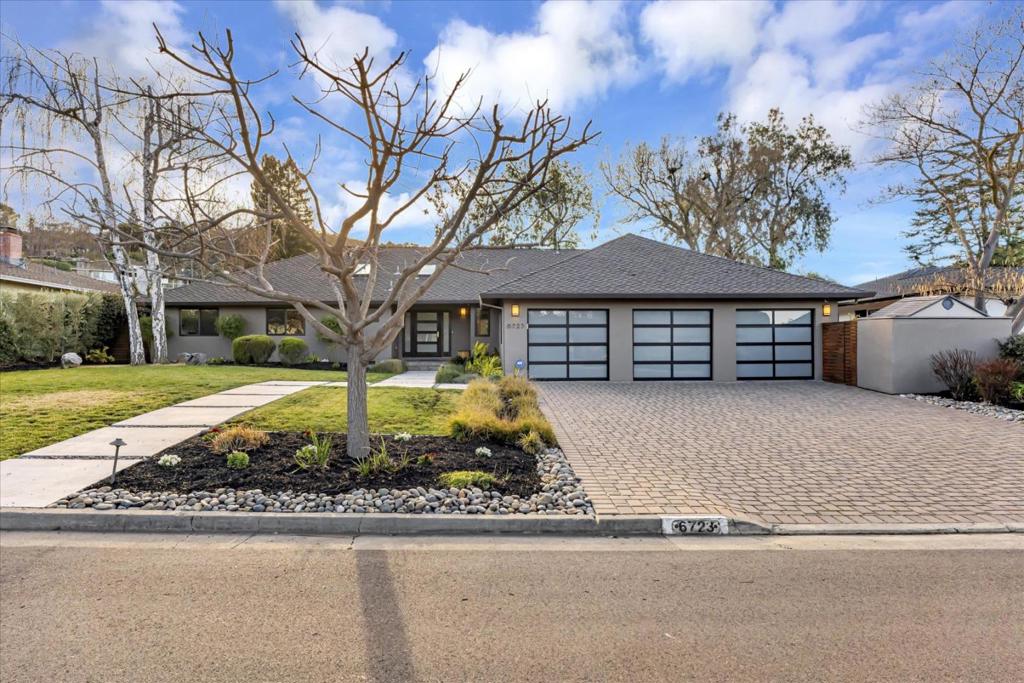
x=694 y=526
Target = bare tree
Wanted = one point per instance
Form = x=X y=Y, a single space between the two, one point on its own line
x=65 y=94
x=960 y=130
x=414 y=140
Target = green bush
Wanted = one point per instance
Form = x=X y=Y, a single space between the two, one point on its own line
x=231 y=326
x=316 y=454
x=292 y=351
x=464 y=479
x=40 y=326
x=483 y=363
x=252 y=349
x=238 y=460
x=99 y=356
x=392 y=365
x=1013 y=348
x=449 y=372
x=482 y=412
x=1017 y=392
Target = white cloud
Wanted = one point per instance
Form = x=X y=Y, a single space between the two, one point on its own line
x=691 y=38
x=337 y=33
x=575 y=52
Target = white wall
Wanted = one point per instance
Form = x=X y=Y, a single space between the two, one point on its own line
x=894 y=354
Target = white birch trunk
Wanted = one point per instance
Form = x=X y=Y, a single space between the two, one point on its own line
x=137 y=352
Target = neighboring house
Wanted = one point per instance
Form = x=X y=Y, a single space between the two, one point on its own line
x=19 y=275
x=926 y=280
x=631 y=308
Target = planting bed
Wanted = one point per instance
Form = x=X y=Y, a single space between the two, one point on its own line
x=544 y=483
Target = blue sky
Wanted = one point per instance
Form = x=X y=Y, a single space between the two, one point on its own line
x=638 y=70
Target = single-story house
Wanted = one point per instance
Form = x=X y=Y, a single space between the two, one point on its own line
x=20 y=275
x=629 y=309
x=922 y=281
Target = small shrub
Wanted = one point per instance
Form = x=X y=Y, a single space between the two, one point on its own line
x=995 y=379
x=1017 y=392
x=292 y=351
x=238 y=438
x=483 y=363
x=231 y=326
x=218 y=360
x=955 y=369
x=531 y=442
x=464 y=479
x=483 y=452
x=379 y=462
x=316 y=454
x=252 y=349
x=238 y=460
x=391 y=365
x=1013 y=347
x=425 y=460
x=403 y=436
x=448 y=372
x=99 y=356
x=169 y=460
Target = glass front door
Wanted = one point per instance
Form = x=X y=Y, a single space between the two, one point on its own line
x=427 y=333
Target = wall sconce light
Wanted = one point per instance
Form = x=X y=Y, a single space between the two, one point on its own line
x=515 y=310
x=827 y=310
x=463 y=312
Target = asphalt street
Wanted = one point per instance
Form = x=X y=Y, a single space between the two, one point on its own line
x=106 y=607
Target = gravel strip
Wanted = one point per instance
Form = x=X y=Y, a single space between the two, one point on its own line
x=1008 y=414
x=560 y=494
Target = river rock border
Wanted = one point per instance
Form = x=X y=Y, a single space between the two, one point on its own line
x=561 y=494
x=1008 y=414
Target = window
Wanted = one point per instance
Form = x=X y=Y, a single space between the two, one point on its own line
x=671 y=344
x=483 y=323
x=775 y=344
x=285 y=321
x=197 y=322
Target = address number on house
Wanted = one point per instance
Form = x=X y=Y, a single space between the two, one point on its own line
x=694 y=526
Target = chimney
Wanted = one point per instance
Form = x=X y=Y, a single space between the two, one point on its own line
x=10 y=246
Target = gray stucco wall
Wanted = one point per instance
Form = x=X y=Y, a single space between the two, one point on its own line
x=620 y=330
x=894 y=354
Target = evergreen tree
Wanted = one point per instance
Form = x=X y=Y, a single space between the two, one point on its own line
x=287 y=180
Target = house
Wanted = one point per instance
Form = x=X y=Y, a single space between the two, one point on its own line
x=629 y=309
x=926 y=280
x=19 y=275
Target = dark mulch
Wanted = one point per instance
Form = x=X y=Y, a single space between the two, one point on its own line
x=272 y=468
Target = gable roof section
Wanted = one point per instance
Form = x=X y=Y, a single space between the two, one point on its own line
x=913 y=306
x=473 y=272
x=634 y=267
x=39 y=275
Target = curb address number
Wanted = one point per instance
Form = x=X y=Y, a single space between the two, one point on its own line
x=694 y=526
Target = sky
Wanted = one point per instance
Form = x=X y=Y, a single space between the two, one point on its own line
x=638 y=71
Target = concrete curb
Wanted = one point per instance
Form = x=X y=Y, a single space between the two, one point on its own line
x=161 y=521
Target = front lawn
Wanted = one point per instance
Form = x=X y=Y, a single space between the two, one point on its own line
x=40 y=407
x=392 y=410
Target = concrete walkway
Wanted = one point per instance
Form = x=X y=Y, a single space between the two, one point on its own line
x=417 y=379
x=40 y=477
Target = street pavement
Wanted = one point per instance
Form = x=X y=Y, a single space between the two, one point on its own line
x=109 y=607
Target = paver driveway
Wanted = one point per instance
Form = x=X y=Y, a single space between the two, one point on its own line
x=786 y=452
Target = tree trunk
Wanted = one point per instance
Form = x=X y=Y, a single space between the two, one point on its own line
x=137 y=352
x=156 y=302
x=358 y=419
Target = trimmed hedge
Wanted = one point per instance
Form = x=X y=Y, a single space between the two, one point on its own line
x=293 y=351
x=252 y=349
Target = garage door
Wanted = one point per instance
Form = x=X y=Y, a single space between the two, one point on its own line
x=671 y=344
x=775 y=344
x=567 y=344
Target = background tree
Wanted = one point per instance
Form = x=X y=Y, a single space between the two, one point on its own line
x=960 y=131
x=414 y=141
x=753 y=192
x=286 y=178
x=8 y=216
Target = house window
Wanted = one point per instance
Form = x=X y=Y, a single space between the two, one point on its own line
x=483 y=323
x=197 y=322
x=282 y=321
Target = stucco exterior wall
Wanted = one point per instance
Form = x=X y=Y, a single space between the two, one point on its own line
x=620 y=331
x=894 y=354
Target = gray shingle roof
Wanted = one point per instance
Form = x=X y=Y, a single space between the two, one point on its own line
x=925 y=279
x=631 y=267
x=461 y=282
x=911 y=306
x=46 y=276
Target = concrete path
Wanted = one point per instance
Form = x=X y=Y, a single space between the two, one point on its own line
x=116 y=607
x=417 y=379
x=40 y=477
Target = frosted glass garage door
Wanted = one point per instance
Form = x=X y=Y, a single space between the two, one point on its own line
x=775 y=344
x=567 y=344
x=671 y=344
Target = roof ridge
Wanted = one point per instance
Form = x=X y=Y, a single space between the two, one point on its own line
x=582 y=252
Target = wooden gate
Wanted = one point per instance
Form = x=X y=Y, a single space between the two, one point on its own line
x=839 y=352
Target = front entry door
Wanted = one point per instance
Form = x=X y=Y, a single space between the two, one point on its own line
x=426 y=333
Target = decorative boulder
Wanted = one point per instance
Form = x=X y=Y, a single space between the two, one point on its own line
x=196 y=359
x=183 y=358
x=70 y=360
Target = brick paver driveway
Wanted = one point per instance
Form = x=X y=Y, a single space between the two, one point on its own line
x=786 y=452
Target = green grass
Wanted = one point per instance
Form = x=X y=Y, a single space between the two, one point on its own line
x=392 y=410
x=40 y=407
